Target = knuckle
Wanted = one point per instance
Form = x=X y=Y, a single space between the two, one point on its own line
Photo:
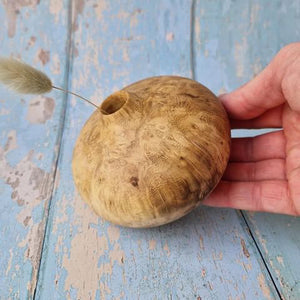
x=256 y=196
x=249 y=148
x=251 y=171
x=290 y=49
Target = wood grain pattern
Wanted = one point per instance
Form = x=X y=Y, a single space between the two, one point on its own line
x=30 y=127
x=152 y=151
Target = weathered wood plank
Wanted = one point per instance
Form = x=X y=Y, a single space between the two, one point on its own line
x=29 y=128
x=233 y=42
x=207 y=254
x=279 y=241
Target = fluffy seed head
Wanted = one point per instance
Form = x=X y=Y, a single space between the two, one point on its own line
x=23 y=78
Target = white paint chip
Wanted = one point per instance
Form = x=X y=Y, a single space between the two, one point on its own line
x=55 y=8
x=40 y=110
x=170 y=36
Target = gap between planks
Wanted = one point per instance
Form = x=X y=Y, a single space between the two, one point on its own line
x=68 y=67
x=261 y=255
x=192 y=40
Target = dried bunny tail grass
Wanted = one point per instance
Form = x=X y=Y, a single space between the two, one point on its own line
x=23 y=78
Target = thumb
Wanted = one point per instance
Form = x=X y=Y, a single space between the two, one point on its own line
x=277 y=83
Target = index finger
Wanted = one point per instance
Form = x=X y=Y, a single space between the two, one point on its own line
x=277 y=83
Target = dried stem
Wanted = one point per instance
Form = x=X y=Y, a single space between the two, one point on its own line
x=69 y=92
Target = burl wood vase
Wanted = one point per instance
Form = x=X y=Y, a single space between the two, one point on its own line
x=152 y=152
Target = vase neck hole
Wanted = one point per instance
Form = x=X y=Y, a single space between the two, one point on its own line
x=114 y=102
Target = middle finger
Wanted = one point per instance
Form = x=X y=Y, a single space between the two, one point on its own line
x=265 y=146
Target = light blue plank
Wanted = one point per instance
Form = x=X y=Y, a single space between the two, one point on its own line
x=234 y=41
x=207 y=254
x=278 y=237
x=29 y=129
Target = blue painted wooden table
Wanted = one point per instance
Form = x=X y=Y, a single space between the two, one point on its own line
x=52 y=246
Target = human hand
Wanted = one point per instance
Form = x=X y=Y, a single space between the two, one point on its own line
x=263 y=172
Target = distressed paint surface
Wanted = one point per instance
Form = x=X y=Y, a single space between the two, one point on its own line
x=29 y=127
x=241 y=43
x=206 y=255
x=278 y=239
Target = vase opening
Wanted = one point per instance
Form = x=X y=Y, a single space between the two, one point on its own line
x=114 y=102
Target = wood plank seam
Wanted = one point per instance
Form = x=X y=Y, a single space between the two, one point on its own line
x=192 y=39
x=69 y=52
x=262 y=257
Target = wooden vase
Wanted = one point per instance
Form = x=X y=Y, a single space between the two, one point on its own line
x=152 y=152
